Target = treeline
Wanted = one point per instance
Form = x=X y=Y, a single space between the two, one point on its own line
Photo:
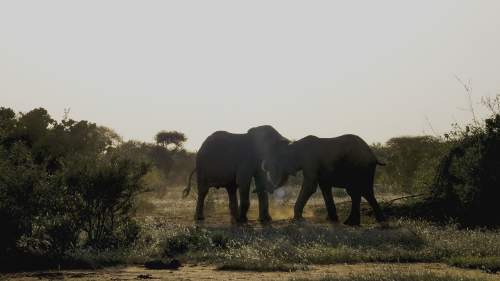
x=72 y=184
x=411 y=163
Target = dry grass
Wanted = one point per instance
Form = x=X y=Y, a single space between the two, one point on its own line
x=284 y=245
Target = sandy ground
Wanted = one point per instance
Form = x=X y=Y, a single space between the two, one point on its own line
x=197 y=272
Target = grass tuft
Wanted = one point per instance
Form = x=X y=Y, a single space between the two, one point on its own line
x=260 y=266
x=394 y=276
x=488 y=264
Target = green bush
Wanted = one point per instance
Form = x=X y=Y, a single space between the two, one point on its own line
x=63 y=185
x=467 y=186
x=411 y=162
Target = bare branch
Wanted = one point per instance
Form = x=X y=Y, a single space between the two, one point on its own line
x=468 y=90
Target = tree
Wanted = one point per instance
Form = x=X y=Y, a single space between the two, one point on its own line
x=170 y=138
x=411 y=161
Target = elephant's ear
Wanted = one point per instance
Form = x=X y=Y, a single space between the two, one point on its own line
x=265 y=139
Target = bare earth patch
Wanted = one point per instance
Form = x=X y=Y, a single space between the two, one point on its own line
x=200 y=272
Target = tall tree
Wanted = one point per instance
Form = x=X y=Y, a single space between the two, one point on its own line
x=173 y=139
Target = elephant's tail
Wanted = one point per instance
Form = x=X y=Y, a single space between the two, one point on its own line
x=186 y=191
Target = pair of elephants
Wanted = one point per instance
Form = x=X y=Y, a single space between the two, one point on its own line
x=263 y=154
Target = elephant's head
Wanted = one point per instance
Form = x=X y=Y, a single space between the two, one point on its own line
x=270 y=146
x=278 y=167
x=266 y=140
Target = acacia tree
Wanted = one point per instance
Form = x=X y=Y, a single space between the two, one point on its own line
x=174 y=139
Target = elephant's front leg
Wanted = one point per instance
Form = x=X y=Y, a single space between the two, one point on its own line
x=308 y=188
x=263 y=199
x=244 y=202
x=243 y=182
x=329 y=203
x=264 y=215
x=233 y=203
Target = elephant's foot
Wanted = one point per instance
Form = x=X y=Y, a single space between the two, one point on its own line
x=333 y=219
x=199 y=218
x=265 y=218
x=242 y=219
x=380 y=218
x=352 y=222
x=298 y=219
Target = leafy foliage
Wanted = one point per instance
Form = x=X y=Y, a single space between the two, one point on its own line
x=468 y=181
x=62 y=185
x=170 y=138
x=411 y=162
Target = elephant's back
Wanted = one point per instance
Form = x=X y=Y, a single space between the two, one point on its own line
x=351 y=149
x=356 y=150
x=221 y=154
x=222 y=142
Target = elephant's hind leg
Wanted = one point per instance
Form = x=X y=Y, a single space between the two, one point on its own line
x=326 y=190
x=354 y=218
x=202 y=193
x=370 y=197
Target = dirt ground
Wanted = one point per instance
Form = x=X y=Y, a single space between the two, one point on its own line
x=173 y=208
x=199 y=272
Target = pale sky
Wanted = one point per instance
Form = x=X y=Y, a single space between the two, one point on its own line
x=378 y=69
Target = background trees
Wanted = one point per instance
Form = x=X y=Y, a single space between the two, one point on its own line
x=411 y=162
x=172 y=139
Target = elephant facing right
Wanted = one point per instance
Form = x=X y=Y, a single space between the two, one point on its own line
x=345 y=161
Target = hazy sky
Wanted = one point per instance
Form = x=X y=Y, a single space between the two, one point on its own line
x=374 y=68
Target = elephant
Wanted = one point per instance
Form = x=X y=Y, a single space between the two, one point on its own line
x=231 y=161
x=345 y=161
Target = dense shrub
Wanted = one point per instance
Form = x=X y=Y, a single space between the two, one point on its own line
x=63 y=185
x=467 y=186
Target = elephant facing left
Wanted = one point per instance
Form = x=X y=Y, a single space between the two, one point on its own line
x=231 y=161
x=345 y=161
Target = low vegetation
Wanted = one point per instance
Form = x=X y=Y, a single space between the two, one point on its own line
x=394 y=275
x=488 y=264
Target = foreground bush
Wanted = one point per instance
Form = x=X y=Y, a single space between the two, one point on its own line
x=62 y=186
x=467 y=187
